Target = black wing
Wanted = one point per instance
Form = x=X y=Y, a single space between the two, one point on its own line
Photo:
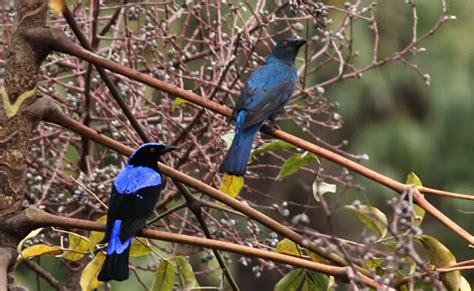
x=266 y=92
x=132 y=209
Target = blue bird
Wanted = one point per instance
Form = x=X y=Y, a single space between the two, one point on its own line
x=135 y=191
x=264 y=95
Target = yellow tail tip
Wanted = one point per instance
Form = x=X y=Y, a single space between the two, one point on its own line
x=231 y=185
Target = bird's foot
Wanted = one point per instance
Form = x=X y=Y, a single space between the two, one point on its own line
x=272 y=125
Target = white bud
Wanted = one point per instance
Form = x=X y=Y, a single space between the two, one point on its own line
x=427 y=79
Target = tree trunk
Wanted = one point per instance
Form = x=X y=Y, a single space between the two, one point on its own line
x=20 y=111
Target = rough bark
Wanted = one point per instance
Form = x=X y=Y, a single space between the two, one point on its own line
x=20 y=111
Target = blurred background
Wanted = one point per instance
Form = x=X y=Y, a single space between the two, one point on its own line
x=405 y=125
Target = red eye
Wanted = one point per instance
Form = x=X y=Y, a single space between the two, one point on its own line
x=285 y=42
x=152 y=150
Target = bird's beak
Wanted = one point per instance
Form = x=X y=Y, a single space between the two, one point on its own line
x=300 y=42
x=167 y=148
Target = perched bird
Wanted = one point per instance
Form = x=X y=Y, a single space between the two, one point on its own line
x=264 y=95
x=135 y=191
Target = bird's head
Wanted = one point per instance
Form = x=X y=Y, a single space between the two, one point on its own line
x=287 y=49
x=148 y=154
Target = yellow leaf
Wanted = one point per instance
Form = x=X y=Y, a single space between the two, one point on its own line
x=89 y=274
x=140 y=249
x=412 y=179
x=286 y=246
x=441 y=256
x=79 y=245
x=464 y=286
x=231 y=185
x=372 y=217
x=315 y=258
x=178 y=102
x=186 y=274
x=39 y=250
x=30 y=235
x=58 y=6
x=96 y=236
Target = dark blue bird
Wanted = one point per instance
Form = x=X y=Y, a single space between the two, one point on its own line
x=135 y=191
x=265 y=94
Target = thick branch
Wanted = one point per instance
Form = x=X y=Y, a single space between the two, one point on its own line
x=44 y=219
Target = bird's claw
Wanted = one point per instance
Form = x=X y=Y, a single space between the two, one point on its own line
x=272 y=125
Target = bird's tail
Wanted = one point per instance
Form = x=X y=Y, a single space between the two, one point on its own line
x=115 y=267
x=235 y=162
x=116 y=262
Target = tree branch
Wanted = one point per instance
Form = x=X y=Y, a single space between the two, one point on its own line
x=60 y=42
x=6 y=258
x=41 y=218
x=44 y=274
x=58 y=118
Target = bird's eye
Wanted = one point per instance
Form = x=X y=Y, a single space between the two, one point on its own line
x=152 y=150
x=285 y=42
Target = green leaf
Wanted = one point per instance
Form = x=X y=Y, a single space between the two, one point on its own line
x=140 y=247
x=412 y=179
x=231 y=185
x=295 y=162
x=372 y=263
x=164 y=277
x=79 y=245
x=390 y=243
x=91 y=271
x=96 y=236
x=178 y=102
x=286 y=246
x=72 y=155
x=274 y=145
x=40 y=250
x=315 y=281
x=291 y=281
x=372 y=217
x=441 y=256
x=186 y=274
x=321 y=188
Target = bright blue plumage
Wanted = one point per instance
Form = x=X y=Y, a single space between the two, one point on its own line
x=136 y=190
x=265 y=94
x=115 y=245
x=131 y=179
